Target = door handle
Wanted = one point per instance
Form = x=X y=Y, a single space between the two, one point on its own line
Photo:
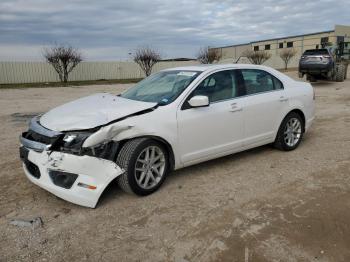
x=283 y=99
x=235 y=108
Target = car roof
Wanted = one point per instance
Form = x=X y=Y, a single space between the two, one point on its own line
x=208 y=68
x=213 y=67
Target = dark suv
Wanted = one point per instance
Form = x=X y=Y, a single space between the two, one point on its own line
x=321 y=64
x=317 y=64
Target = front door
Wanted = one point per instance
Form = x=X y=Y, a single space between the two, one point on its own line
x=209 y=132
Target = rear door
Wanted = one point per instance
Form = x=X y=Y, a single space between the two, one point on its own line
x=263 y=104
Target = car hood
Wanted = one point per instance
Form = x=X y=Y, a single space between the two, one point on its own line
x=92 y=111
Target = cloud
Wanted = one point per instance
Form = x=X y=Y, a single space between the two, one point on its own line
x=109 y=29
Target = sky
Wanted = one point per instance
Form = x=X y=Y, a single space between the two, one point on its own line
x=108 y=30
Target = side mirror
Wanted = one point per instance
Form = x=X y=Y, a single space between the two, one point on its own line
x=199 y=101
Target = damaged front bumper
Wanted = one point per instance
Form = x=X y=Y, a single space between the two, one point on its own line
x=90 y=175
x=80 y=179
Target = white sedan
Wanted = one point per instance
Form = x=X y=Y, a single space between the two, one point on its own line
x=172 y=119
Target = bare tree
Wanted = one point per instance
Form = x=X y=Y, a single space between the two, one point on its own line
x=146 y=58
x=208 y=55
x=63 y=59
x=257 y=57
x=286 y=55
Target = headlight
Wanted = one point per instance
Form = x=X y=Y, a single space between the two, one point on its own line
x=74 y=140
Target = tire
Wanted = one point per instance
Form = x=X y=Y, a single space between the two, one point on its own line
x=340 y=73
x=284 y=132
x=129 y=158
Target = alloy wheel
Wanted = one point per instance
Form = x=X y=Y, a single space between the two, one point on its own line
x=292 y=132
x=150 y=167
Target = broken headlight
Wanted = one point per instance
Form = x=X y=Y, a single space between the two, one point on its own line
x=74 y=141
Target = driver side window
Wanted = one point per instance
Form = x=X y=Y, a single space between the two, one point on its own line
x=218 y=86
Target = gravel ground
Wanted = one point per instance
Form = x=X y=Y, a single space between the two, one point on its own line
x=259 y=205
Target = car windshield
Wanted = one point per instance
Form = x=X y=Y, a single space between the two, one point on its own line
x=316 y=52
x=162 y=88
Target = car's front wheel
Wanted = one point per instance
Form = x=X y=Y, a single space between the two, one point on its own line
x=290 y=132
x=146 y=165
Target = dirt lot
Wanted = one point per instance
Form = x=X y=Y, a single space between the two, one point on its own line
x=260 y=205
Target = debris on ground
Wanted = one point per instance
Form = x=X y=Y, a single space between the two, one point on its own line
x=33 y=223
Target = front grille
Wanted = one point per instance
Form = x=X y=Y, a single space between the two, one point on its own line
x=53 y=142
x=32 y=168
x=41 y=135
x=31 y=135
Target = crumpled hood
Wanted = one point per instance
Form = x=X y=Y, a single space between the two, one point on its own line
x=91 y=111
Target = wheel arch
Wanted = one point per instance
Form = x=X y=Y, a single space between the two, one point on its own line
x=161 y=140
x=300 y=113
x=122 y=142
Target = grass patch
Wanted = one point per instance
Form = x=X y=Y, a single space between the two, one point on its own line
x=71 y=83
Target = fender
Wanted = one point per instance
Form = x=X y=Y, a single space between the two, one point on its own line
x=140 y=126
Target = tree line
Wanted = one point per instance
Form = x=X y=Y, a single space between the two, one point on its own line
x=64 y=58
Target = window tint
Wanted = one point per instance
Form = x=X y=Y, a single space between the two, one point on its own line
x=218 y=86
x=257 y=81
x=277 y=83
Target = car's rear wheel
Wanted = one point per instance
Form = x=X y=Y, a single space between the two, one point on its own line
x=146 y=165
x=290 y=132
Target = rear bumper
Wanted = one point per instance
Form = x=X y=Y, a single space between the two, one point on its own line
x=90 y=170
x=309 y=123
x=315 y=67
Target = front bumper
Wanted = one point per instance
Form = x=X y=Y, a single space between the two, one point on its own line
x=90 y=170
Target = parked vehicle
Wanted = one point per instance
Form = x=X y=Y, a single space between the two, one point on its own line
x=325 y=64
x=172 y=119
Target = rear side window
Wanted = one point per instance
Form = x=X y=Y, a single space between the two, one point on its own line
x=259 y=81
x=277 y=83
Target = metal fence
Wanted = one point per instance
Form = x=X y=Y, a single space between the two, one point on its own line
x=34 y=72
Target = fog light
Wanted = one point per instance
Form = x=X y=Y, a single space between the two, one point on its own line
x=62 y=179
x=87 y=186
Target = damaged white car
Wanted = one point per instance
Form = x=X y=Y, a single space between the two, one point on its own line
x=172 y=119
